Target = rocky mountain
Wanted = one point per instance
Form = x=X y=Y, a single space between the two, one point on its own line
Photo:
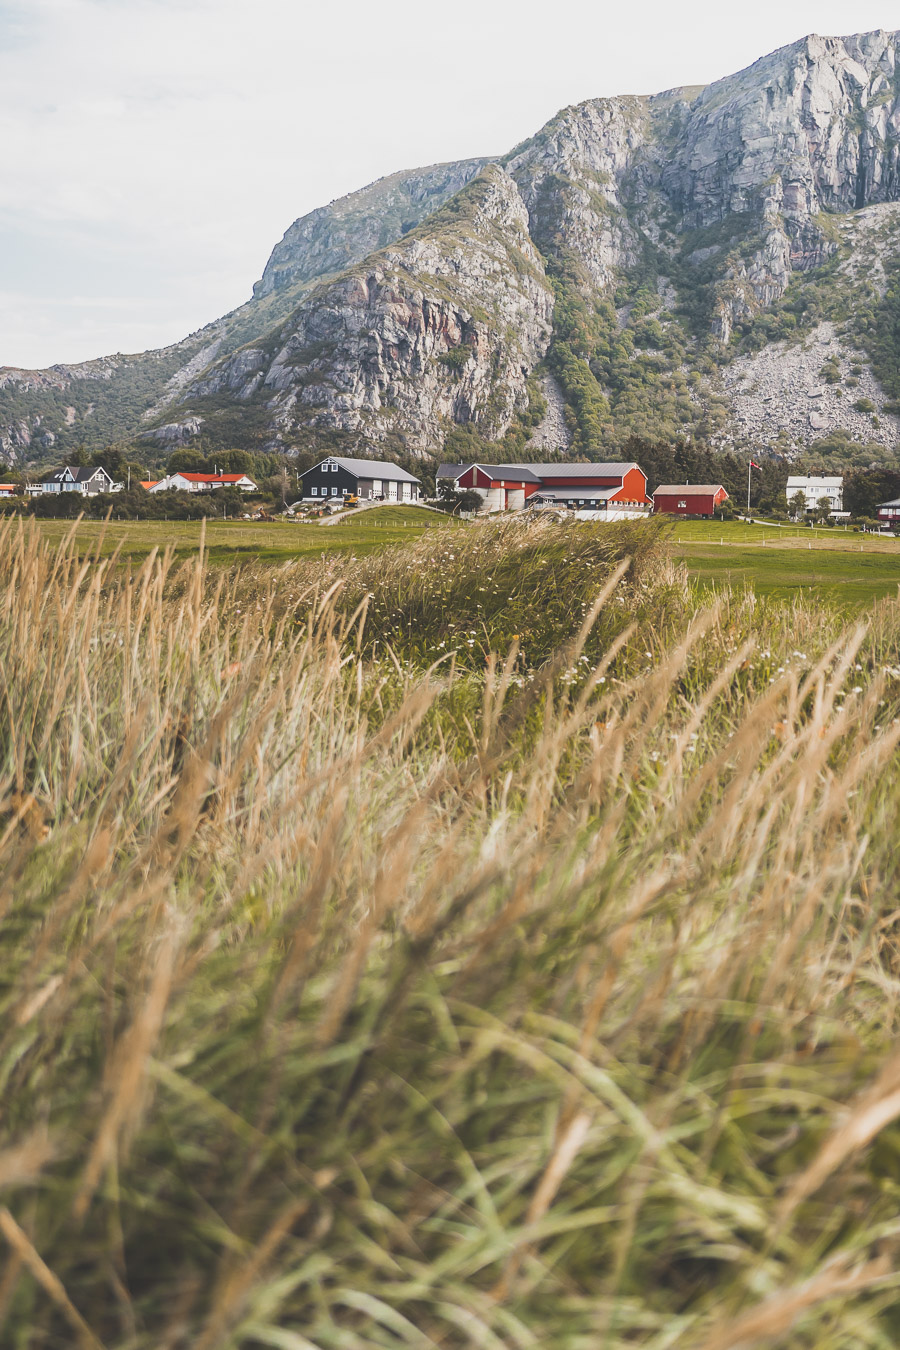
x=337 y=236
x=442 y=327
x=719 y=263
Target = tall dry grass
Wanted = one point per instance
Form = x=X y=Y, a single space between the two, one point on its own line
x=355 y=998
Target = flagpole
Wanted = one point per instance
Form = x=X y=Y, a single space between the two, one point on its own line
x=749 y=463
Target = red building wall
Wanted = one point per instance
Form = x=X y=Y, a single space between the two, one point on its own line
x=477 y=478
x=633 y=485
x=696 y=503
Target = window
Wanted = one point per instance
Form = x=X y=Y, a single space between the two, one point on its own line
x=314 y=491
x=333 y=490
x=683 y=505
x=333 y=468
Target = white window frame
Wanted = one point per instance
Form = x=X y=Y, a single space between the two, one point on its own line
x=334 y=489
x=314 y=492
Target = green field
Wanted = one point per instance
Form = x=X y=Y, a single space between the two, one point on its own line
x=852 y=569
x=250 y=541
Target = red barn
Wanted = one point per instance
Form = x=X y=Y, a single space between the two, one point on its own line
x=586 y=486
x=688 y=499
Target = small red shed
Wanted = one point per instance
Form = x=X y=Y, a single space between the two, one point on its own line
x=688 y=499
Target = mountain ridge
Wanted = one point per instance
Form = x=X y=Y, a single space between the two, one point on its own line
x=669 y=236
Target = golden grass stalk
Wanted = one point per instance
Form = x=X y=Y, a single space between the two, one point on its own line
x=497 y=949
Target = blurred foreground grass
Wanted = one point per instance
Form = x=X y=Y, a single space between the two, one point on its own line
x=381 y=970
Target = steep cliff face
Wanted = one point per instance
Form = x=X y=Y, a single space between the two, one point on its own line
x=443 y=327
x=45 y=414
x=571 y=177
x=813 y=125
x=811 y=128
x=668 y=236
x=336 y=236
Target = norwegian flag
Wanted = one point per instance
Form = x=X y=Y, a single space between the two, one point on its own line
x=753 y=464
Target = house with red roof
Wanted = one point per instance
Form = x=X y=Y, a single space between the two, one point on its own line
x=202 y=482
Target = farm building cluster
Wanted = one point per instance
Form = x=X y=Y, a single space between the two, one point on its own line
x=614 y=491
x=588 y=490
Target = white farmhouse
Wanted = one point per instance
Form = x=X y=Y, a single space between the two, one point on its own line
x=818 y=491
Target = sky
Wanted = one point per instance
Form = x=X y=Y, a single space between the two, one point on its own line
x=152 y=152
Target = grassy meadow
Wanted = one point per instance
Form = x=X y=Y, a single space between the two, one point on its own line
x=491 y=940
x=840 y=566
x=236 y=541
x=849 y=569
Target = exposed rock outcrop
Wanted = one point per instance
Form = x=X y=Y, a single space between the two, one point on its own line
x=336 y=236
x=552 y=432
x=811 y=128
x=422 y=301
x=571 y=176
x=175 y=434
x=443 y=327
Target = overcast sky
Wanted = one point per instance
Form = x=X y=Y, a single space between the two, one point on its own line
x=153 y=151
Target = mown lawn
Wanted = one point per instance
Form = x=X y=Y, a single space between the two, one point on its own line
x=851 y=569
x=249 y=541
